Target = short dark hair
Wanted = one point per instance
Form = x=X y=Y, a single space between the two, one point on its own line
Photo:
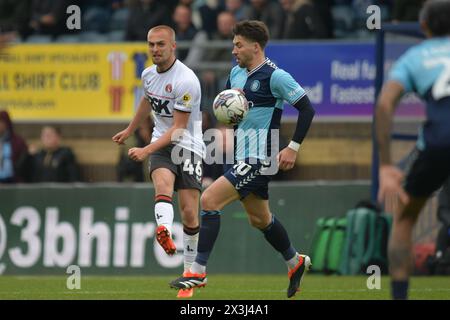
x=252 y=30
x=435 y=14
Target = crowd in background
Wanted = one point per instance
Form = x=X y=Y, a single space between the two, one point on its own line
x=129 y=20
x=197 y=21
x=49 y=162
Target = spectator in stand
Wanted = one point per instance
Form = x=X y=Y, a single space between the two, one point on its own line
x=97 y=14
x=144 y=15
x=212 y=81
x=14 y=16
x=406 y=10
x=238 y=8
x=184 y=28
x=172 y=4
x=194 y=6
x=225 y=24
x=14 y=157
x=187 y=3
x=302 y=20
x=323 y=8
x=6 y=38
x=54 y=162
x=48 y=17
x=209 y=12
x=270 y=13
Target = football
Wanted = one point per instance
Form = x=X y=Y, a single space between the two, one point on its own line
x=230 y=106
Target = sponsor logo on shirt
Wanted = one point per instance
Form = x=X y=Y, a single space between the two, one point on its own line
x=186 y=99
x=294 y=92
x=160 y=106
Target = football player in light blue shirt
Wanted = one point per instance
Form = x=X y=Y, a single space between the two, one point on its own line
x=425 y=70
x=266 y=87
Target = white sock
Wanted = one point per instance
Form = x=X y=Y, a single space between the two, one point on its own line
x=190 y=249
x=291 y=263
x=198 y=268
x=164 y=214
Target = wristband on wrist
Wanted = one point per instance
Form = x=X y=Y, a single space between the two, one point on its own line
x=294 y=145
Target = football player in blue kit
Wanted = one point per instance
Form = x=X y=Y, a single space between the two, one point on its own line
x=266 y=87
x=425 y=70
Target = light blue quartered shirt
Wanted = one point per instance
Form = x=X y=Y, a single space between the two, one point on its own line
x=425 y=69
x=266 y=87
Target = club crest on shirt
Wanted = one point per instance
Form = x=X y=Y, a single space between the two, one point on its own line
x=255 y=85
x=169 y=88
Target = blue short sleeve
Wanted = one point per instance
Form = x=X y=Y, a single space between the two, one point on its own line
x=283 y=86
x=401 y=73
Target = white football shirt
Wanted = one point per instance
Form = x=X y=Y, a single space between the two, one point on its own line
x=177 y=88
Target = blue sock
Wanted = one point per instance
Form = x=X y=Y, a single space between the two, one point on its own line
x=399 y=290
x=209 y=230
x=277 y=236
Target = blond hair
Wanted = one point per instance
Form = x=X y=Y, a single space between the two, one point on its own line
x=165 y=28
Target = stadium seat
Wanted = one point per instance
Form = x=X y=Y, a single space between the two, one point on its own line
x=96 y=19
x=342 y=2
x=116 y=36
x=92 y=36
x=343 y=20
x=385 y=13
x=68 y=38
x=363 y=34
x=38 y=38
x=360 y=34
x=118 y=20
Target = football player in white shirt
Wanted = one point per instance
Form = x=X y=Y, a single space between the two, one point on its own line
x=172 y=94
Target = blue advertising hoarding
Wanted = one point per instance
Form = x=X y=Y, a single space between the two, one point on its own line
x=339 y=77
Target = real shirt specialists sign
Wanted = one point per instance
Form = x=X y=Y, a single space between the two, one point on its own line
x=72 y=82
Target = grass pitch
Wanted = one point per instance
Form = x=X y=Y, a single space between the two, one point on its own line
x=220 y=287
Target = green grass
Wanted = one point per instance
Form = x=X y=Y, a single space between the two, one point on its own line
x=220 y=287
